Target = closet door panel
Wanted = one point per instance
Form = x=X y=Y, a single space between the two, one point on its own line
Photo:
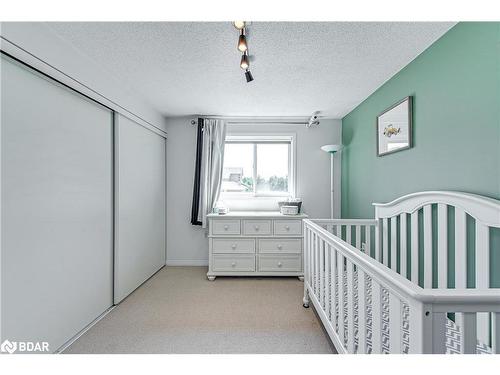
x=140 y=205
x=56 y=206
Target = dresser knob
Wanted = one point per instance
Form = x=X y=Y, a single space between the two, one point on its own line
x=256 y=227
x=287 y=227
x=280 y=264
x=280 y=246
x=233 y=264
x=226 y=227
x=233 y=246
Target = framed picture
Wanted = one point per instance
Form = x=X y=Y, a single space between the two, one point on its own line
x=394 y=128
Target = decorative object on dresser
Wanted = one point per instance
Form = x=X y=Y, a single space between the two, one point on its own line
x=394 y=127
x=255 y=244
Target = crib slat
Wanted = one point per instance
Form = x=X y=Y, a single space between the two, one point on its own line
x=327 y=302
x=311 y=259
x=468 y=338
x=316 y=261
x=419 y=329
x=329 y=228
x=385 y=242
x=460 y=249
x=402 y=245
x=348 y=232
x=358 y=237
x=495 y=333
x=308 y=256
x=394 y=244
x=428 y=246
x=460 y=257
x=350 y=308
x=376 y=317
x=367 y=240
x=414 y=247
x=394 y=324
x=361 y=312
x=316 y=265
x=442 y=239
x=340 y=281
x=339 y=231
x=333 y=304
x=439 y=333
x=378 y=239
x=483 y=278
x=322 y=273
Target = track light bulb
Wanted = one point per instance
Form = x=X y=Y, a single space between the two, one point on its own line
x=242 y=41
x=244 y=64
x=239 y=24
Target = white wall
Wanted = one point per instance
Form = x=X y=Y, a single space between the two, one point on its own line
x=37 y=42
x=187 y=244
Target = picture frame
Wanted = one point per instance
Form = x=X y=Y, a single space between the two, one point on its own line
x=394 y=127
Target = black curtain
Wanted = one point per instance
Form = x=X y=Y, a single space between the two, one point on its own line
x=197 y=175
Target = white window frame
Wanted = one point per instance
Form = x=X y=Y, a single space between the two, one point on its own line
x=250 y=138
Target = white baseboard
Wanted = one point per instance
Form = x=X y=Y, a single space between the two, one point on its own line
x=187 y=262
x=68 y=343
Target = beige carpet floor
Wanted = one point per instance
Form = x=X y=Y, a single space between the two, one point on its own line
x=179 y=311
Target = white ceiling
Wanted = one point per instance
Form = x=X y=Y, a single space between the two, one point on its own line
x=184 y=68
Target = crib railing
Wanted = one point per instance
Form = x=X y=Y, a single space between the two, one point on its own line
x=366 y=307
x=359 y=233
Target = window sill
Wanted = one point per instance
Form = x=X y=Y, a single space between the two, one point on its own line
x=253 y=203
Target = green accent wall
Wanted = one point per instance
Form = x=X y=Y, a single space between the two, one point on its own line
x=455 y=85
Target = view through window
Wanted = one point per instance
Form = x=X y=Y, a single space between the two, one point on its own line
x=256 y=168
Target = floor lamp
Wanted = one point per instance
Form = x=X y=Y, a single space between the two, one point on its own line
x=331 y=149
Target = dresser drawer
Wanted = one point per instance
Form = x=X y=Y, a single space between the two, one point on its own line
x=287 y=227
x=225 y=226
x=280 y=263
x=233 y=263
x=287 y=245
x=257 y=227
x=232 y=246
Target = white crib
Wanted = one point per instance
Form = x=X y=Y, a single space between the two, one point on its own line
x=416 y=279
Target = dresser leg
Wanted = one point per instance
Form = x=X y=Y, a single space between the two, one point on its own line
x=211 y=278
x=301 y=278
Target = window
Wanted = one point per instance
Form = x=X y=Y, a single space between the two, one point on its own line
x=258 y=166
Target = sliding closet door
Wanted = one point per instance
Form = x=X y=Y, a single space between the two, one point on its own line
x=140 y=205
x=56 y=207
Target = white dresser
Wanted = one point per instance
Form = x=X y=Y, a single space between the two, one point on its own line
x=255 y=244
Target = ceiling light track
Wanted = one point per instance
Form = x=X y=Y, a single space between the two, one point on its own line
x=243 y=47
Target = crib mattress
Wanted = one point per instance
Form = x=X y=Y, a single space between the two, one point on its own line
x=453 y=334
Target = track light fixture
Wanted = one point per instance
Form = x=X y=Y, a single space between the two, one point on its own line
x=248 y=75
x=314 y=119
x=242 y=41
x=243 y=47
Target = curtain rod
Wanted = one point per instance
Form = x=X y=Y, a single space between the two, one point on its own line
x=235 y=121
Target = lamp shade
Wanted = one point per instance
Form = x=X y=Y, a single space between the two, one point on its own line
x=331 y=148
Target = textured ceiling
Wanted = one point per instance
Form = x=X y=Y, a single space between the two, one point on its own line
x=183 y=68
